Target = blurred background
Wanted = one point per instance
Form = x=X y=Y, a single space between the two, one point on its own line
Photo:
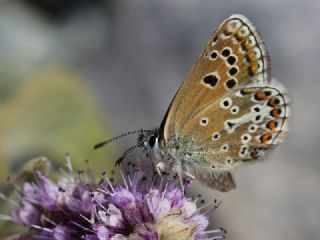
x=74 y=72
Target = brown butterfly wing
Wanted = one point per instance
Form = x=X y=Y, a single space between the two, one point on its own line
x=234 y=56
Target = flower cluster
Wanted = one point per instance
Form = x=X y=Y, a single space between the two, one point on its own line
x=137 y=208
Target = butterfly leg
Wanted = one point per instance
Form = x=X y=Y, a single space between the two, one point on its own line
x=177 y=168
x=180 y=174
x=160 y=167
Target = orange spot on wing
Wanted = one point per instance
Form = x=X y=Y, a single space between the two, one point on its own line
x=251 y=55
x=265 y=138
x=254 y=67
x=272 y=125
x=254 y=155
x=243 y=45
x=273 y=102
x=275 y=112
x=240 y=37
x=249 y=47
x=260 y=95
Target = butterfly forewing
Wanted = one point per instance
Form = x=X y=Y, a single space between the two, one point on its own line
x=234 y=56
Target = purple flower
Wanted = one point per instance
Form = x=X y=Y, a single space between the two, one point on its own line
x=140 y=207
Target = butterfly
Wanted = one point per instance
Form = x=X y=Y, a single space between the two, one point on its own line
x=229 y=111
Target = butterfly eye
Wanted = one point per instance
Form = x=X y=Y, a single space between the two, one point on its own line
x=152 y=141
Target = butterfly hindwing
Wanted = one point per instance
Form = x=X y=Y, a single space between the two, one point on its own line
x=221 y=181
x=242 y=126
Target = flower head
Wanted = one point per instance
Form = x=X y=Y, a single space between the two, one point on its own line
x=139 y=207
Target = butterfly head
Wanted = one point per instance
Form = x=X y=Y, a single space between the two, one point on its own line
x=149 y=139
x=152 y=142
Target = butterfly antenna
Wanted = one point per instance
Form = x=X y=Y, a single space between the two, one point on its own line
x=101 y=144
x=127 y=153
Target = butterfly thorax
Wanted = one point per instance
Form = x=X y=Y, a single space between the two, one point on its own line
x=166 y=155
x=179 y=148
x=185 y=153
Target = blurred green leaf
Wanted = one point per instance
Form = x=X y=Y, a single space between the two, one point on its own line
x=51 y=114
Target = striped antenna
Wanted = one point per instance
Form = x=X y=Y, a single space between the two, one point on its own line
x=127 y=153
x=101 y=144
